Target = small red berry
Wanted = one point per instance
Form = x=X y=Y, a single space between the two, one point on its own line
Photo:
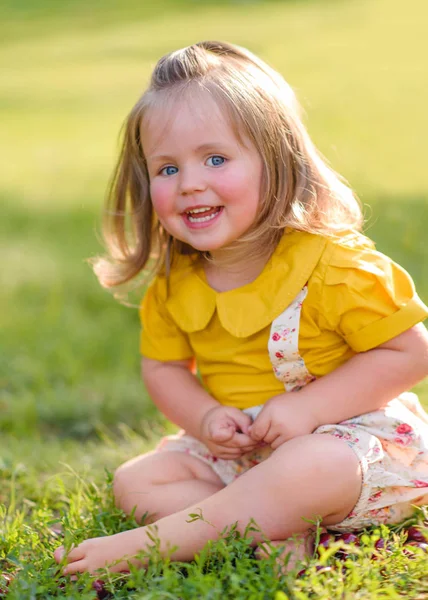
x=380 y=544
x=349 y=538
x=416 y=535
x=98 y=586
x=325 y=540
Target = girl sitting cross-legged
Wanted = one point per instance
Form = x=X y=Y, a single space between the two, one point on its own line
x=305 y=337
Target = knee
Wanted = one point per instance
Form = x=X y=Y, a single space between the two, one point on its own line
x=324 y=456
x=337 y=457
x=121 y=481
x=128 y=482
x=132 y=481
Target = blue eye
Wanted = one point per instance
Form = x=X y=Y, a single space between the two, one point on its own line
x=170 y=170
x=216 y=161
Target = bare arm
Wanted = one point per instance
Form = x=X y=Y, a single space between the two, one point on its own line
x=367 y=382
x=370 y=379
x=177 y=393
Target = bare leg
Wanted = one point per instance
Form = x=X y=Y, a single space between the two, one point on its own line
x=162 y=483
x=307 y=477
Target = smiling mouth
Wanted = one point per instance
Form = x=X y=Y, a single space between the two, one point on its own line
x=203 y=214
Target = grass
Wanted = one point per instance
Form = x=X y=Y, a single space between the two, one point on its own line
x=72 y=405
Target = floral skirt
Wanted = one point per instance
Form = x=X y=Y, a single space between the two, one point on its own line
x=391 y=445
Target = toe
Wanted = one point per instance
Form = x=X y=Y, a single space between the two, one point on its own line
x=59 y=554
x=79 y=566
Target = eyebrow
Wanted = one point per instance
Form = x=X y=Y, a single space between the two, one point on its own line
x=202 y=147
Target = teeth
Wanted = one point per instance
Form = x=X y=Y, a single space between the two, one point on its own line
x=199 y=210
x=202 y=219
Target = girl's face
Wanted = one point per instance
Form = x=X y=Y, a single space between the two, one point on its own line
x=205 y=184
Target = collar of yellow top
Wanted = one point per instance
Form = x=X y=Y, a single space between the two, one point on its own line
x=248 y=309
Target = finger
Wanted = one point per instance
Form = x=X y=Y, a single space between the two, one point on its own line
x=222 y=431
x=220 y=451
x=247 y=449
x=79 y=566
x=277 y=442
x=75 y=554
x=242 y=420
x=271 y=436
x=239 y=452
x=59 y=554
x=260 y=428
x=240 y=440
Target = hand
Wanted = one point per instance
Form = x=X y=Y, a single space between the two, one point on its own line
x=282 y=418
x=224 y=430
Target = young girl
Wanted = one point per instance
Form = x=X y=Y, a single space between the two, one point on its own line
x=305 y=337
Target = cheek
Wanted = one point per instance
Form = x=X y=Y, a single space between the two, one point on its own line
x=242 y=190
x=162 y=198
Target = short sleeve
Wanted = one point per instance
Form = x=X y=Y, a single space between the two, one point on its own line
x=367 y=298
x=161 y=339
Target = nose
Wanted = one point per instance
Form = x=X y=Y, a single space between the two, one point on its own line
x=191 y=180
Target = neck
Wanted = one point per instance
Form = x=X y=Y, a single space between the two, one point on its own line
x=223 y=275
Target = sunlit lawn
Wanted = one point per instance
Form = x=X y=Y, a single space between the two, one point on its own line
x=71 y=397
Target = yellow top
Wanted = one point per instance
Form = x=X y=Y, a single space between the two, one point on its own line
x=357 y=299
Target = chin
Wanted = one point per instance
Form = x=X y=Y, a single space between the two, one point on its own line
x=207 y=247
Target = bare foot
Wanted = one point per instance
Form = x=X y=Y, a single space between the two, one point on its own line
x=294 y=550
x=115 y=552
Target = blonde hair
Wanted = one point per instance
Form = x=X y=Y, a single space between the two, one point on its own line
x=299 y=190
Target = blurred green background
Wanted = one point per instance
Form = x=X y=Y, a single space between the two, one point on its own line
x=70 y=72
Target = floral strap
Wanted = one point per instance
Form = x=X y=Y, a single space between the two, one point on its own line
x=283 y=346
